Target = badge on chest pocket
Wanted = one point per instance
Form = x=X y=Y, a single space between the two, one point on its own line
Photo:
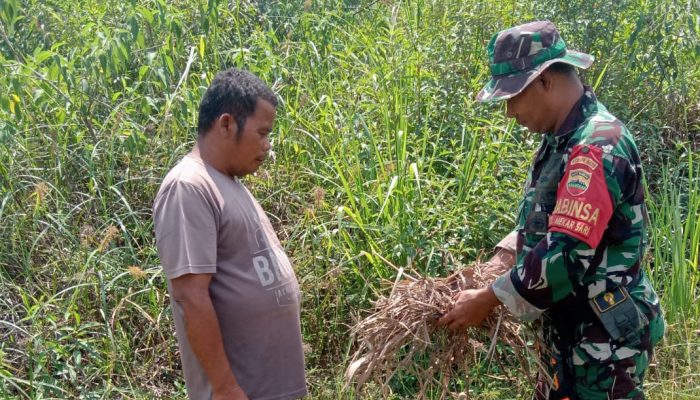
x=620 y=316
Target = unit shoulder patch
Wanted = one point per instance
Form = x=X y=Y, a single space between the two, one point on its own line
x=583 y=206
x=578 y=181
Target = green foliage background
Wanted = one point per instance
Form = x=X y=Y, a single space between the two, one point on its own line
x=382 y=153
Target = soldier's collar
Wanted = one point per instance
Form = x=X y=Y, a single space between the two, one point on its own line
x=584 y=107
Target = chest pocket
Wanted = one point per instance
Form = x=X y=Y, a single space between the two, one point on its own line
x=544 y=195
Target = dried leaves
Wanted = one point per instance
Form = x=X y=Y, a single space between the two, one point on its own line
x=400 y=334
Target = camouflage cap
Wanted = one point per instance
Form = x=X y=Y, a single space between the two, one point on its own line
x=519 y=54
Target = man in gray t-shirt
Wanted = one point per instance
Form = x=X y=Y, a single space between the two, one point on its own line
x=233 y=291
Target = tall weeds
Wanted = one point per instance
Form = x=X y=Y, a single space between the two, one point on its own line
x=383 y=156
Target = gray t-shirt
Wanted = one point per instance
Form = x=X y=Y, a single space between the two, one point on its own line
x=208 y=222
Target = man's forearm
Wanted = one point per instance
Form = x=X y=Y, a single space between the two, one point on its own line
x=204 y=335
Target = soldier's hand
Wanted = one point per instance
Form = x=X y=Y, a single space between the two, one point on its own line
x=471 y=307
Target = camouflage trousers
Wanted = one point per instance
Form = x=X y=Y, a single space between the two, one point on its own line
x=591 y=366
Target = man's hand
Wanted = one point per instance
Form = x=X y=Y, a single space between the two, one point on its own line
x=191 y=292
x=471 y=307
x=230 y=393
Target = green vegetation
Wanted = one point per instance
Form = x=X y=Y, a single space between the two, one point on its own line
x=382 y=154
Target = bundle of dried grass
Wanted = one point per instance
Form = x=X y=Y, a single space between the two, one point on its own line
x=400 y=334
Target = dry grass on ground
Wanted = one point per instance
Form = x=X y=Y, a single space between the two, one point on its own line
x=400 y=334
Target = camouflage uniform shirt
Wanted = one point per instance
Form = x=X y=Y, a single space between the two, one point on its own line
x=581 y=232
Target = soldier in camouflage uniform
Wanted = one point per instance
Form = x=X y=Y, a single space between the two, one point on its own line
x=581 y=227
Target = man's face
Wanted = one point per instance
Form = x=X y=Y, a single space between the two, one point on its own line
x=247 y=151
x=529 y=108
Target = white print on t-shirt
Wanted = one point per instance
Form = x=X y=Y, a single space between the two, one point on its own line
x=274 y=270
x=269 y=271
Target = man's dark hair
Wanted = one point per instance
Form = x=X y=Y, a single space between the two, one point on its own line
x=562 y=69
x=234 y=92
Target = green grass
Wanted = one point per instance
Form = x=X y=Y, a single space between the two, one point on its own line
x=382 y=154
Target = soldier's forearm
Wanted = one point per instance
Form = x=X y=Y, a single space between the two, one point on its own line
x=503 y=260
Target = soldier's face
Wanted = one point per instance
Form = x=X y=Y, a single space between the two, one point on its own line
x=530 y=108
